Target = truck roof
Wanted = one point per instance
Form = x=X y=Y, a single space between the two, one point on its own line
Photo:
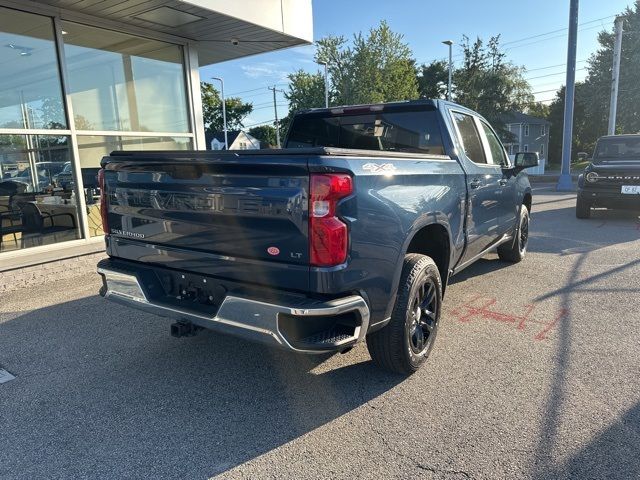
x=624 y=135
x=367 y=106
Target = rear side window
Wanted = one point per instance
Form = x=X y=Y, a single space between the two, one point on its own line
x=497 y=151
x=470 y=138
x=415 y=131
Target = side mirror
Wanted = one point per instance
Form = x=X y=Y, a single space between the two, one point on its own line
x=526 y=159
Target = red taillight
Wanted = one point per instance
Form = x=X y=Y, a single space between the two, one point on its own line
x=328 y=235
x=103 y=202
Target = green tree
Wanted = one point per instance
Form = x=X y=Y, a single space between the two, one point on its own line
x=597 y=85
x=236 y=109
x=538 y=109
x=489 y=84
x=376 y=67
x=306 y=90
x=266 y=134
x=433 y=79
x=580 y=141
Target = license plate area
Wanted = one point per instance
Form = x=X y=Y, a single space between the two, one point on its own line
x=631 y=189
x=190 y=292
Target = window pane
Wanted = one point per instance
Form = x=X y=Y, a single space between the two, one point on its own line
x=470 y=138
x=497 y=152
x=93 y=147
x=400 y=131
x=618 y=148
x=122 y=82
x=30 y=91
x=37 y=202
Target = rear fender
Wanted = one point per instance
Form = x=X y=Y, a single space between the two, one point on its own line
x=436 y=218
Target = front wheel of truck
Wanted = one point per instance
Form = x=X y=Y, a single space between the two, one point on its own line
x=404 y=344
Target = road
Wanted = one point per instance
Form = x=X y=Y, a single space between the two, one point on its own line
x=535 y=374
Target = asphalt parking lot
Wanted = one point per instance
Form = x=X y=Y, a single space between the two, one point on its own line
x=535 y=374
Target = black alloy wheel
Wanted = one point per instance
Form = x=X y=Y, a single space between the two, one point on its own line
x=404 y=344
x=423 y=317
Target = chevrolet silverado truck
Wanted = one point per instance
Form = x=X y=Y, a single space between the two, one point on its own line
x=348 y=234
x=612 y=179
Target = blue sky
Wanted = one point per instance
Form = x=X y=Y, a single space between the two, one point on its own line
x=424 y=24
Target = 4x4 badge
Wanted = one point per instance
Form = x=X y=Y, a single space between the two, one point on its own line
x=379 y=167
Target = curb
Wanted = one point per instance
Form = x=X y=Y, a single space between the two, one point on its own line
x=549 y=178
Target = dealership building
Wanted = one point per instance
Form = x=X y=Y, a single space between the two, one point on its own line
x=81 y=78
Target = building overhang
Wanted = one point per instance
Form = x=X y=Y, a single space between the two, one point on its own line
x=222 y=29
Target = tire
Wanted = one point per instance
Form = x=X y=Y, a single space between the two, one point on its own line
x=515 y=251
x=404 y=344
x=583 y=209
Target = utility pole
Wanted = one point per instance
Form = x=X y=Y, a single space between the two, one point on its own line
x=615 y=76
x=275 y=110
x=224 y=111
x=564 y=182
x=450 y=43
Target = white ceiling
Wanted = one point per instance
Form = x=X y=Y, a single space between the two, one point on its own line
x=258 y=25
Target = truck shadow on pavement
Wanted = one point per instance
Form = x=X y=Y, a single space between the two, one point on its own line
x=106 y=392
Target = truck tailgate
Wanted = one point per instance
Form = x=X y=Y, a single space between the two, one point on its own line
x=243 y=217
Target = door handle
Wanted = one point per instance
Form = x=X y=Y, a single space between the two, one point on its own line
x=475 y=184
x=503 y=182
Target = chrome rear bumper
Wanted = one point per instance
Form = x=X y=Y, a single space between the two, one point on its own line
x=250 y=319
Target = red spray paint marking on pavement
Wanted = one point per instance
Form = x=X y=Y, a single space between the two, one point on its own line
x=486 y=310
x=542 y=334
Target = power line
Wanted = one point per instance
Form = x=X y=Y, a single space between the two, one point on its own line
x=256 y=89
x=511 y=42
x=552 y=66
x=556 y=31
x=260 y=123
x=256 y=94
x=548 y=38
x=271 y=106
x=544 y=91
x=554 y=74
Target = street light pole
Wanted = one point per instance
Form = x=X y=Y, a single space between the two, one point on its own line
x=615 y=76
x=224 y=111
x=326 y=85
x=564 y=182
x=450 y=44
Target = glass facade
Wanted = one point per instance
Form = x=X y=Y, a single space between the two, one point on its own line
x=119 y=82
x=126 y=92
x=30 y=88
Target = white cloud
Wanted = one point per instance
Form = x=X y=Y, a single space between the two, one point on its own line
x=266 y=70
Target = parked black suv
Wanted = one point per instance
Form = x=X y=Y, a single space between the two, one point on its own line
x=612 y=179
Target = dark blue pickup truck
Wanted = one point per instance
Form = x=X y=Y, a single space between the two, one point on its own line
x=349 y=233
